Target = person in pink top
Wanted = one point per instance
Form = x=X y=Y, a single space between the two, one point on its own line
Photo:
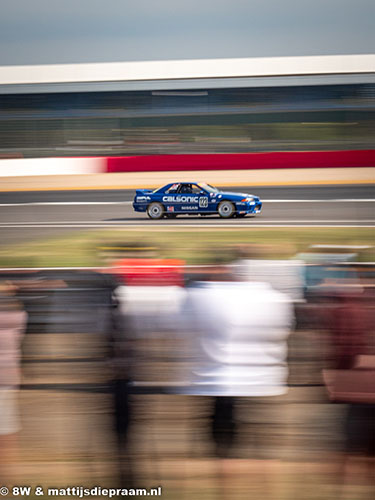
x=12 y=327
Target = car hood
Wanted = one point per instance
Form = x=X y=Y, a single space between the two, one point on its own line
x=238 y=196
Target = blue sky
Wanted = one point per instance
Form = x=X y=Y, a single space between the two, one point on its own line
x=74 y=31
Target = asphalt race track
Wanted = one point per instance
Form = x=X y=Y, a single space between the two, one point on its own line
x=30 y=215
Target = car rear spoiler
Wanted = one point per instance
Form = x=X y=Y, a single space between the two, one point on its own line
x=140 y=192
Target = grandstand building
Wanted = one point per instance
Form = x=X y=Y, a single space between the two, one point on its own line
x=173 y=107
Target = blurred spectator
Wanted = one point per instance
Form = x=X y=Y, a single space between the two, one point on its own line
x=12 y=326
x=149 y=272
x=242 y=331
x=351 y=376
x=121 y=338
x=241 y=347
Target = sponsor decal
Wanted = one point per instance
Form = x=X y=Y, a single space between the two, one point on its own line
x=142 y=198
x=181 y=199
x=170 y=209
x=189 y=208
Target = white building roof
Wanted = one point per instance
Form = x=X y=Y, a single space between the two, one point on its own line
x=188 y=69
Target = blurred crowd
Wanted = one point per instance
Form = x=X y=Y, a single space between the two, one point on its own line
x=252 y=337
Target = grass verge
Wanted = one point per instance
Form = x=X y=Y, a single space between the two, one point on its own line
x=194 y=245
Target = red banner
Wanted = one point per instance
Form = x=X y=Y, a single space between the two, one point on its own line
x=243 y=161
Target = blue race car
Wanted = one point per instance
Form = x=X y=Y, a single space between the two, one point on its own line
x=194 y=198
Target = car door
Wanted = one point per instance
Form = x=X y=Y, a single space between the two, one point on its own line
x=169 y=199
x=204 y=201
x=186 y=200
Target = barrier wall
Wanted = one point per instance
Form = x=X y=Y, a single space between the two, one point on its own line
x=243 y=161
x=23 y=167
x=165 y=163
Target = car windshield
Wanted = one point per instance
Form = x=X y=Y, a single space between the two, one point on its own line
x=158 y=189
x=208 y=188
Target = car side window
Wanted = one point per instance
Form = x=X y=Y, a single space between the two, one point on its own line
x=185 y=189
x=197 y=189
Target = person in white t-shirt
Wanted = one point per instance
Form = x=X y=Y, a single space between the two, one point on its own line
x=241 y=331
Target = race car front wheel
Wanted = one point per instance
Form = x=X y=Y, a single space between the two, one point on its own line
x=226 y=209
x=155 y=210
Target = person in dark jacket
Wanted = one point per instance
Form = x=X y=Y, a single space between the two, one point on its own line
x=121 y=364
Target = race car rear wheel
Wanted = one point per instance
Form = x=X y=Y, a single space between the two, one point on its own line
x=155 y=210
x=226 y=209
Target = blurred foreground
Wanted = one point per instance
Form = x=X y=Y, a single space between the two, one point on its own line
x=248 y=380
